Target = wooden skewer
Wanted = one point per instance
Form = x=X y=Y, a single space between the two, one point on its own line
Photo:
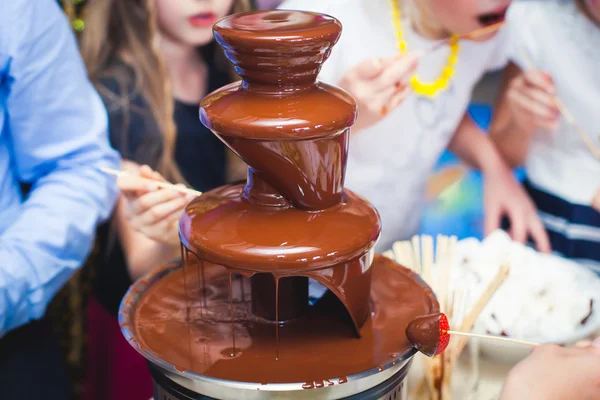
x=428 y=258
x=448 y=296
x=483 y=300
x=580 y=131
x=477 y=33
x=403 y=255
x=468 y=36
x=444 y=265
x=562 y=108
x=416 y=247
x=496 y=338
x=389 y=254
x=164 y=185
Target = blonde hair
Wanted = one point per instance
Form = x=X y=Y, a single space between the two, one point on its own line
x=126 y=30
x=422 y=18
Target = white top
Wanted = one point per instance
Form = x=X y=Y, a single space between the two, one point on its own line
x=390 y=163
x=562 y=41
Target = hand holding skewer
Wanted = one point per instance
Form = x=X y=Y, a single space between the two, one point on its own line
x=539 y=99
x=151 y=205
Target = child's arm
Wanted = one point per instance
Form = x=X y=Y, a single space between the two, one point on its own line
x=503 y=195
x=525 y=105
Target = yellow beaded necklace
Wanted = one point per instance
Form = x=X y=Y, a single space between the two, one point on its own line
x=428 y=89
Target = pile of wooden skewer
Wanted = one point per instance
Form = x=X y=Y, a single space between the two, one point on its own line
x=436 y=269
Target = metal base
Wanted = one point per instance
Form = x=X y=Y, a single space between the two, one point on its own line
x=393 y=388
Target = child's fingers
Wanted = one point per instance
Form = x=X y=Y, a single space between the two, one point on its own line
x=368 y=69
x=134 y=184
x=528 y=104
x=154 y=198
x=398 y=72
x=149 y=173
x=399 y=97
x=161 y=211
x=537 y=79
x=492 y=217
x=168 y=226
x=130 y=167
x=518 y=227
x=545 y=100
x=538 y=233
x=372 y=102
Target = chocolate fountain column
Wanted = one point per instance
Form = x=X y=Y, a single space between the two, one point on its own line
x=290 y=164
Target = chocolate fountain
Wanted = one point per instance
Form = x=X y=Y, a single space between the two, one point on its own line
x=233 y=320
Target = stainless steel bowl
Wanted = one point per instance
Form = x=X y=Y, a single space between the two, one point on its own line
x=226 y=389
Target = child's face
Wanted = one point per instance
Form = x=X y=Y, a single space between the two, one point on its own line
x=463 y=16
x=190 y=21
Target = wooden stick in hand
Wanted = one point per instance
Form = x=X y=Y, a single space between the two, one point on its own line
x=164 y=185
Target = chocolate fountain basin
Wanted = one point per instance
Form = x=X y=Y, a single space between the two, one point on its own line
x=176 y=382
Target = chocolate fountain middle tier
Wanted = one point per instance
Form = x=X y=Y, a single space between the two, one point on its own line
x=333 y=247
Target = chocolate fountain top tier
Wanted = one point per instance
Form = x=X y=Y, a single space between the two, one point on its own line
x=278 y=52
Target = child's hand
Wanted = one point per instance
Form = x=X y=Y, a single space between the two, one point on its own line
x=596 y=201
x=152 y=211
x=552 y=372
x=531 y=98
x=379 y=86
x=503 y=195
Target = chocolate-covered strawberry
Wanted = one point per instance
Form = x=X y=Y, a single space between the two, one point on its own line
x=429 y=333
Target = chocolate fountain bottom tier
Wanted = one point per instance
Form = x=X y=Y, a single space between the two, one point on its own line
x=221 y=226
x=183 y=321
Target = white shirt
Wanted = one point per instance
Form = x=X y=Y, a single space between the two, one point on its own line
x=560 y=40
x=389 y=163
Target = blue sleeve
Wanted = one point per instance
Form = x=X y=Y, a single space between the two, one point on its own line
x=58 y=131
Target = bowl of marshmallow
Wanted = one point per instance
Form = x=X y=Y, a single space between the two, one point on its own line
x=545 y=299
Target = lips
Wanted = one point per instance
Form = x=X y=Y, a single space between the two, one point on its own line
x=493 y=17
x=203 y=20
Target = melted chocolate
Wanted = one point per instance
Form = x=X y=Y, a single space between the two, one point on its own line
x=333 y=247
x=312 y=348
x=424 y=333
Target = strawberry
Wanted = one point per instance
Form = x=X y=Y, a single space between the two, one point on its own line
x=444 y=335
